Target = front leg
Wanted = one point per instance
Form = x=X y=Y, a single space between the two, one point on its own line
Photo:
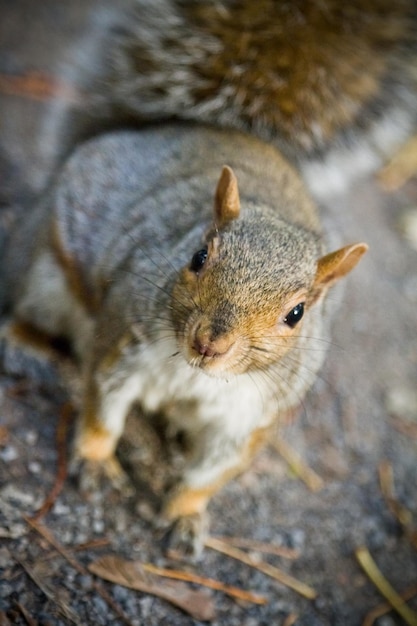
x=216 y=460
x=101 y=423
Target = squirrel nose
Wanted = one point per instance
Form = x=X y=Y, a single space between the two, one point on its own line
x=206 y=346
x=205 y=349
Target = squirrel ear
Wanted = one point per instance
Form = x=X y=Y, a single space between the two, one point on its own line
x=335 y=265
x=226 y=200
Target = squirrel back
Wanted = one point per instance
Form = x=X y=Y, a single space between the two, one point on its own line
x=90 y=207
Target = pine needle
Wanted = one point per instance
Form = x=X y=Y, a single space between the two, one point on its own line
x=369 y=566
x=386 y=481
x=261 y=546
x=262 y=566
x=385 y=607
x=235 y=592
x=313 y=481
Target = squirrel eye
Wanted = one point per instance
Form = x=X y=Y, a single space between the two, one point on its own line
x=295 y=315
x=198 y=260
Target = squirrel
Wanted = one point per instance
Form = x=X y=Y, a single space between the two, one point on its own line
x=181 y=253
x=192 y=287
x=212 y=315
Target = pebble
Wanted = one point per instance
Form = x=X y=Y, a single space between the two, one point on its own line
x=8 y=454
x=6 y=590
x=31 y=437
x=100 y=606
x=34 y=467
x=61 y=509
x=297 y=538
x=98 y=526
x=85 y=582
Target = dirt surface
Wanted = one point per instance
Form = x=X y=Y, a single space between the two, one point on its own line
x=361 y=412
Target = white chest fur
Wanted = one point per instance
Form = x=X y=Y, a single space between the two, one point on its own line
x=159 y=378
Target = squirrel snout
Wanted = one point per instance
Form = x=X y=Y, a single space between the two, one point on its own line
x=206 y=345
x=208 y=349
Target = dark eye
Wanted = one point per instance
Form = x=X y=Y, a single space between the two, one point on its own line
x=198 y=260
x=295 y=315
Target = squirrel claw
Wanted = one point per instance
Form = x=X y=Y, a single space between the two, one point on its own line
x=186 y=537
x=93 y=475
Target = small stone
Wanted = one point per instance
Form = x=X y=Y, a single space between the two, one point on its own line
x=61 y=509
x=297 y=538
x=34 y=467
x=8 y=454
x=31 y=437
x=98 y=526
x=85 y=582
x=145 y=510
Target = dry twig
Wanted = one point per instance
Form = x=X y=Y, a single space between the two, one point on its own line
x=4 y=435
x=65 y=417
x=262 y=566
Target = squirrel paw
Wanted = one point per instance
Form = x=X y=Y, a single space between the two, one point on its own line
x=92 y=475
x=187 y=535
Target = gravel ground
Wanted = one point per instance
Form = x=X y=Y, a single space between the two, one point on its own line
x=354 y=419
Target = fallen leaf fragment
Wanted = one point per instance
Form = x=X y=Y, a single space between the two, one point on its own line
x=234 y=592
x=262 y=566
x=131 y=574
x=369 y=566
x=313 y=481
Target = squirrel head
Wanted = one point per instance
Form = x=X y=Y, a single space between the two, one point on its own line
x=241 y=301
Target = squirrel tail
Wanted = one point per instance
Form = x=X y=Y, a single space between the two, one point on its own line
x=303 y=75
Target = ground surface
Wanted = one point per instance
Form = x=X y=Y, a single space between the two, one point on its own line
x=362 y=411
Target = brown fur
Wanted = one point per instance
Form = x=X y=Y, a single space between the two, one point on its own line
x=301 y=72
